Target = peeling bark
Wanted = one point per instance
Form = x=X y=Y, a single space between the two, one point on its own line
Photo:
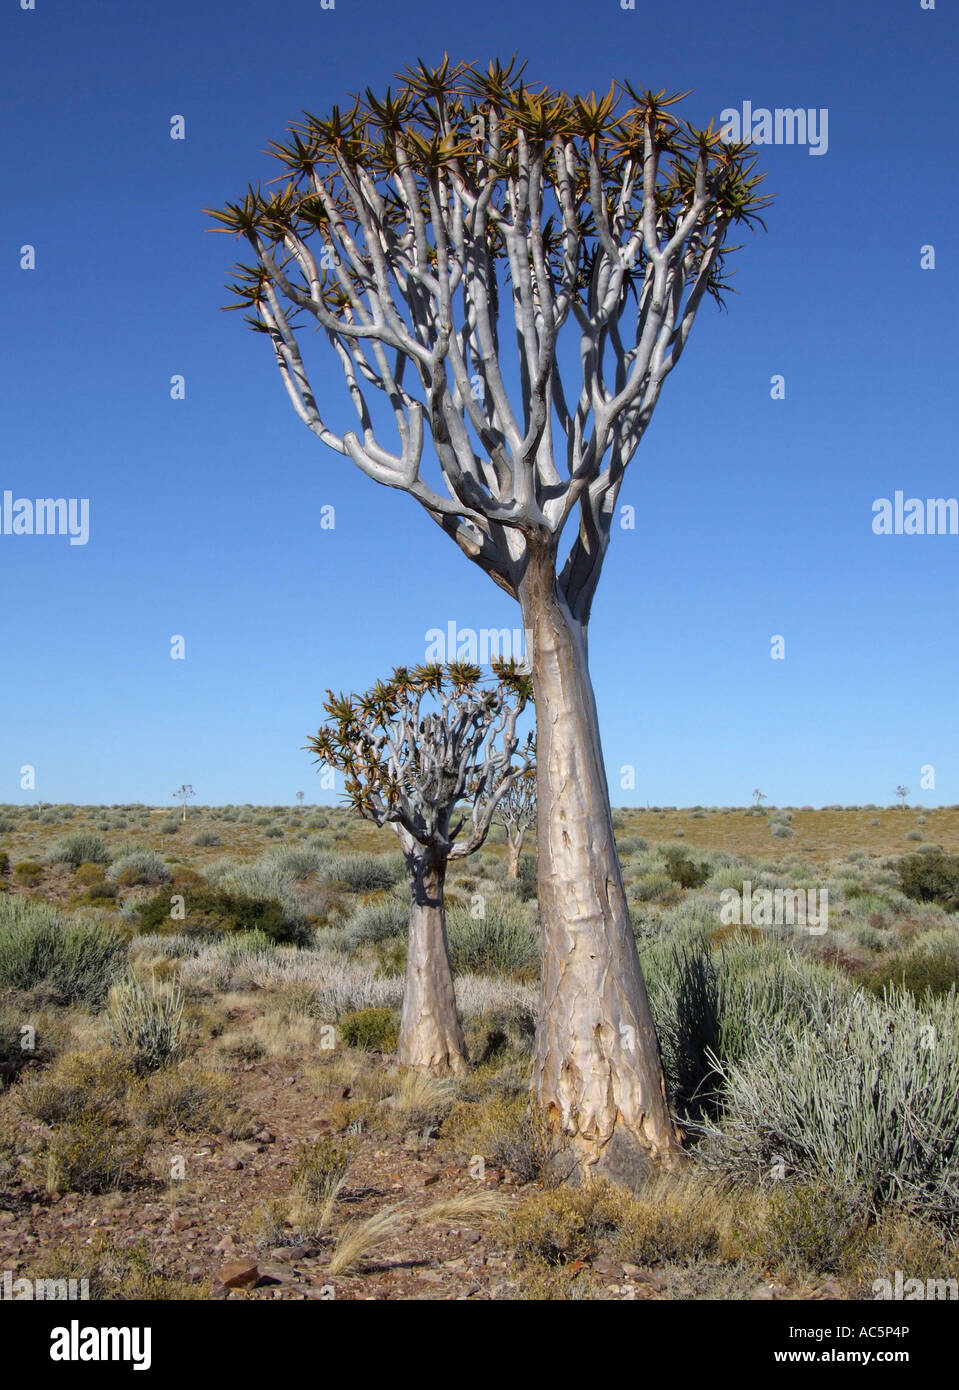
x=431 y=1038
x=597 y=1067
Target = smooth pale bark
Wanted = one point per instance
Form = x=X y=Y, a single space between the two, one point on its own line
x=515 y=850
x=597 y=1068
x=431 y=1038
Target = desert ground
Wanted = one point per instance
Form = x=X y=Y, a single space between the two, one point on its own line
x=200 y=1098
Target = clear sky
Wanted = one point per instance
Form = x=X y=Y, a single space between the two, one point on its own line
x=753 y=515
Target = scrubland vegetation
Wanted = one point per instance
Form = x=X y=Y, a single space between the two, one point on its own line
x=200 y=1097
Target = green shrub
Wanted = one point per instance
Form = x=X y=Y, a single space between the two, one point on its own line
x=565 y=1224
x=716 y=1006
x=923 y=973
x=78 y=1084
x=320 y=1168
x=28 y=873
x=213 y=911
x=528 y=888
x=803 y=1227
x=76 y=961
x=90 y=875
x=300 y=861
x=192 y=1102
x=372 y=1030
x=932 y=877
x=78 y=847
x=503 y=1129
x=91 y=1155
x=683 y=871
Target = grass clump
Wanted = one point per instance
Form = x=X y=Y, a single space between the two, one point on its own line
x=501 y=941
x=147 y=1020
x=363 y=872
x=75 y=962
x=135 y=867
x=320 y=1168
x=859 y=1094
x=78 y=847
x=503 y=1130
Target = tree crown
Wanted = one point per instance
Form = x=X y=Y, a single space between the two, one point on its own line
x=419 y=227
x=415 y=746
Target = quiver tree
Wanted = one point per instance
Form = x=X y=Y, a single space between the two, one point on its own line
x=430 y=752
x=184 y=793
x=444 y=241
x=516 y=813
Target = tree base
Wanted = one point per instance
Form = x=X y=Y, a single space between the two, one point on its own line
x=625 y=1160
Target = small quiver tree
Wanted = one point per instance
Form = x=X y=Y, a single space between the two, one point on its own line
x=430 y=752
x=516 y=814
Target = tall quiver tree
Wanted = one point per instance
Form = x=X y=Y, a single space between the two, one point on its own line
x=516 y=813
x=421 y=231
x=431 y=753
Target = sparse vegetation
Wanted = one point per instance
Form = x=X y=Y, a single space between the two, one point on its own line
x=149 y=1032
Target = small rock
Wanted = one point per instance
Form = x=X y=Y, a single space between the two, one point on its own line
x=472 y=1237
x=273 y=1274
x=232 y=1164
x=266 y=1136
x=238 y=1273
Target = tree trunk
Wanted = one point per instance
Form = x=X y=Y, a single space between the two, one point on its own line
x=431 y=1038
x=515 y=850
x=597 y=1068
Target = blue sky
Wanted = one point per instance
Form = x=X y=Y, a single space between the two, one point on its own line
x=753 y=515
